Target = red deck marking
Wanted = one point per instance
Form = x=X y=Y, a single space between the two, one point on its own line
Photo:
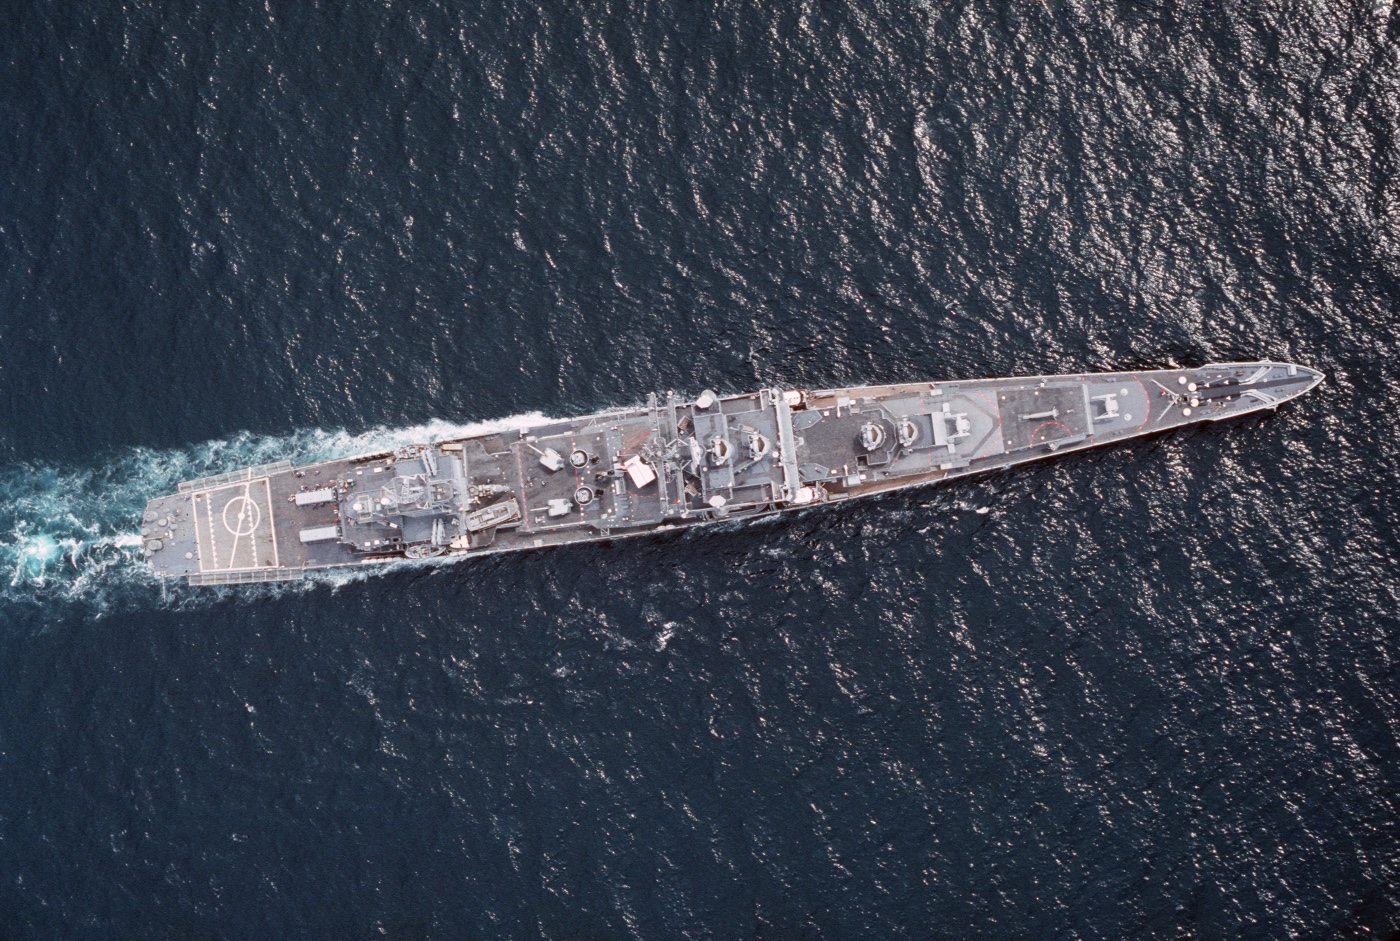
x=632 y=442
x=1030 y=442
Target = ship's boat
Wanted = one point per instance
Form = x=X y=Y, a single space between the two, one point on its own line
x=674 y=462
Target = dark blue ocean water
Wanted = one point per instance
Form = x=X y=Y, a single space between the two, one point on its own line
x=1154 y=692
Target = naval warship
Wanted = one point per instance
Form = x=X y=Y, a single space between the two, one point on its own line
x=672 y=463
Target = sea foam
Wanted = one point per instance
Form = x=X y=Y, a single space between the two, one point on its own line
x=71 y=533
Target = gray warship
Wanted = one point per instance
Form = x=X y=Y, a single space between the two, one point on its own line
x=672 y=463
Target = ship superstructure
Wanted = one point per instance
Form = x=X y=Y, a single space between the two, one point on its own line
x=671 y=463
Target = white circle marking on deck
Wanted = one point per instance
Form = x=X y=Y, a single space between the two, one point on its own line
x=249 y=516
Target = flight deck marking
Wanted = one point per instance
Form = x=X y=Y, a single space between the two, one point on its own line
x=209 y=518
x=199 y=499
x=1030 y=442
x=271 y=523
x=633 y=441
x=238 y=531
x=240 y=515
x=238 y=527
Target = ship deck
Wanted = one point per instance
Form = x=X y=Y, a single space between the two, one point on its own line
x=746 y=455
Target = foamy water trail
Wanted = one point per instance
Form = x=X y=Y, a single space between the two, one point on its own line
x=71 y=533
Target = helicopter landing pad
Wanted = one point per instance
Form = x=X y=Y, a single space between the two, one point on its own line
x=234 y=527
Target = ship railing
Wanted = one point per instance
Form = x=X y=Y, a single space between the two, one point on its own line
x=234 y=477
x=247 y=577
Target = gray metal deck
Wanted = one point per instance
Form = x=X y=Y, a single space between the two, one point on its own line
x=670 y=463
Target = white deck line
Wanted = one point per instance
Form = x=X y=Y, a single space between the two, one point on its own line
x=233 y=551
x=271 y=523
x=213 y=544
x=205 y=497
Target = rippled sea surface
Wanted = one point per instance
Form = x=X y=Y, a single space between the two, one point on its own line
x=1152 y=693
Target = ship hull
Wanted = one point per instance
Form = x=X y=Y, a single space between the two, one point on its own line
x=670 y=464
